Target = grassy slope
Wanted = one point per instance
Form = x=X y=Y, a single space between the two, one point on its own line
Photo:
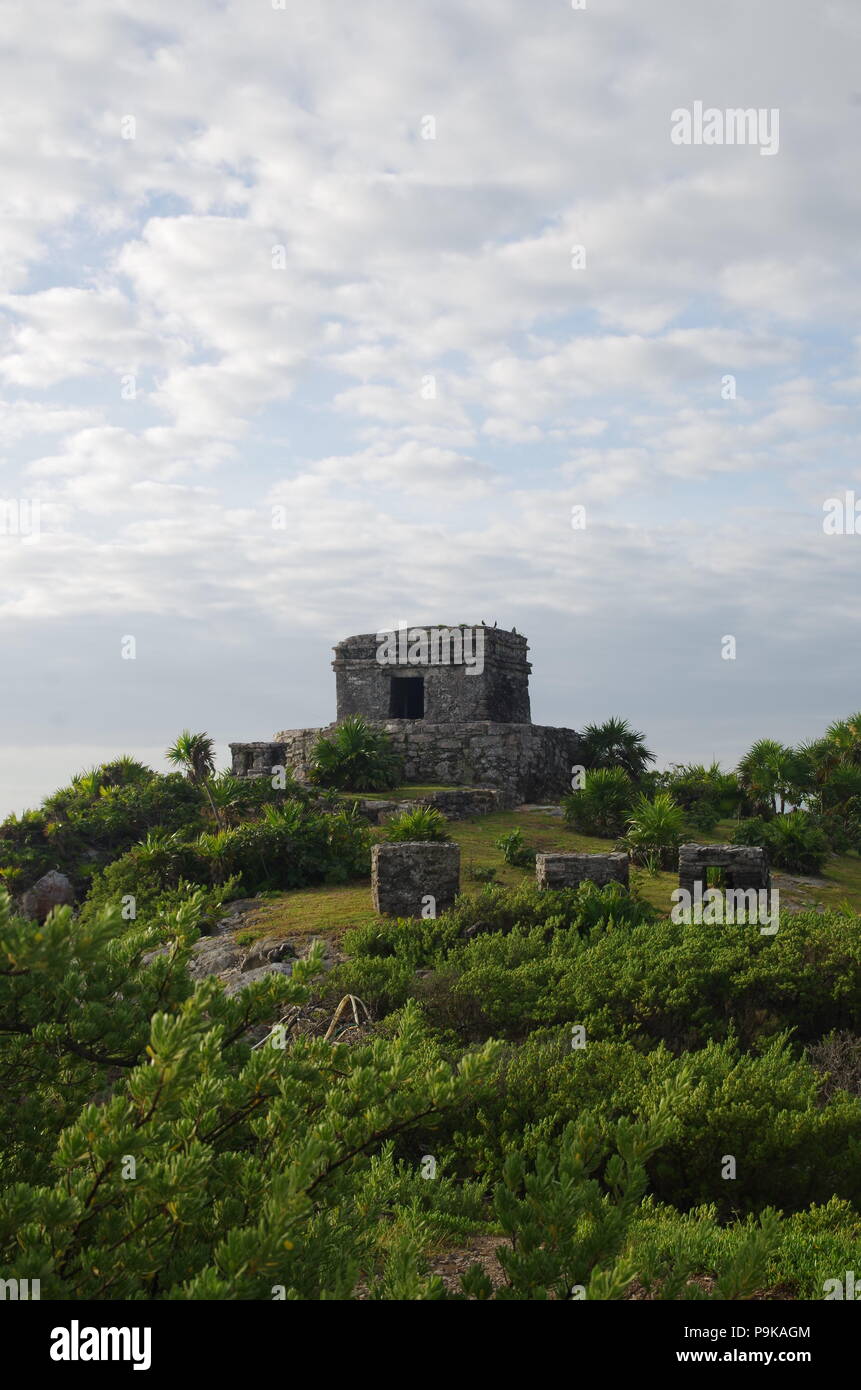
x=328 y=910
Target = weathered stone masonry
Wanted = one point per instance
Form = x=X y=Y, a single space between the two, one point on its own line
x=565 y=870
x=405 y=874
x=744 y=866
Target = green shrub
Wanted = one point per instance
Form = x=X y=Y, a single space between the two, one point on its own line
x=683 y=984
x=655 y=830
x=356 y=757
x=765 y=1111
x=292 y=847
x=808 y=1247
x=602 y=805
x=794 y=841
x=254 y=1168
x=424 y=823
x=491 y=964
x=615 y=744
x=514 y=849
x=705 y=794
x=83 y=827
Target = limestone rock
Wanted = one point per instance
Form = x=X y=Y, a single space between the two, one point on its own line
x=244 y=978
x=52 y=890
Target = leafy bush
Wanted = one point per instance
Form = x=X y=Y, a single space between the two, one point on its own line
x=356 y=757
x=206 y=1120
x=807 y=1248
x=424 y=823
x=705 y=794
x=292 y=847
x=655 y=831
x=615 y=744
x=83 y=827
x=766 y=1111
x=602 y=805
x=794 y=841
x=514 y=849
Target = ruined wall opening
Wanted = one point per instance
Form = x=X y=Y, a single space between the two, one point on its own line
x=407 y=697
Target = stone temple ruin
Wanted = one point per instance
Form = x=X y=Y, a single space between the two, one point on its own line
x=455 y=702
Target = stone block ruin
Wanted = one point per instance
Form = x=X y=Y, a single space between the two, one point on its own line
x=414 y=878
x=455 y=703
x=743 y=867
x=564 y=870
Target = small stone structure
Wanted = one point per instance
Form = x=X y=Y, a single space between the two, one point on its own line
x=406 y=872
x=744 y=866
x=567 y=870
x=455 y=704
x=458 y=675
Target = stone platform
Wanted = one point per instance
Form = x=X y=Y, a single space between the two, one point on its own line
x=525 y=762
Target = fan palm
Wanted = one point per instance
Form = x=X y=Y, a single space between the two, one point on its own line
x=770 y=774
x=195 y=754
x=357 y=757
x=615 y=744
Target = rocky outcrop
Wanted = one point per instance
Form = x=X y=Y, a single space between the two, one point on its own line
x=52 y=890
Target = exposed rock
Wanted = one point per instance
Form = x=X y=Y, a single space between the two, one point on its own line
x=212 y=955
x=270 y=951
x=241 y=980
x=52 y=890
x=235 y=916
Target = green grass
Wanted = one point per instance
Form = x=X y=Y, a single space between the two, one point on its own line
x=330 y=910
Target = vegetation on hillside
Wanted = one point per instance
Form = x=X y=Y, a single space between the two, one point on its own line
x=627 y=1105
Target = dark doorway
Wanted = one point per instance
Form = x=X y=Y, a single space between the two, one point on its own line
x=407 y=697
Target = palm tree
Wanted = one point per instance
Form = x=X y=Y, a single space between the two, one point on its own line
x=225 y=791
x=217 y=849
x=195 y=754
x=770 y=774
x=841 y=746
x=125 y=771
x=615 y=744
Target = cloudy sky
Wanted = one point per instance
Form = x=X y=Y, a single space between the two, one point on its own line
x=295 y=342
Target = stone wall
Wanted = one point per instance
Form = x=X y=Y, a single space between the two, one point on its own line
x=493 y=683
x=526 y=762
x=258 y=759
x=404 y=874
x=567 y=870
x=460 y=803
x=745 y=866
